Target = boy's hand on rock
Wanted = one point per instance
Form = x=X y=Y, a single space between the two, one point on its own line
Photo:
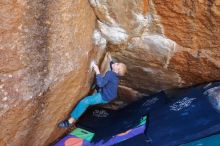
x=109 y=56
x=96 y=69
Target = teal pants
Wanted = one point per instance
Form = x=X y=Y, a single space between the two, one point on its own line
x=85 y=103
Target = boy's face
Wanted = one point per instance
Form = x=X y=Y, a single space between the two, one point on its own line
x=116 y=67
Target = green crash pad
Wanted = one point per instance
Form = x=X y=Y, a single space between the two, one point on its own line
x=82 y=133
x=208 y=141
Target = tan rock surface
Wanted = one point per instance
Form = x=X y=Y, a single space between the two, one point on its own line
x=193 y=23
x=45 y=51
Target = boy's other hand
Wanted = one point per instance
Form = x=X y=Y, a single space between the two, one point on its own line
x=96 y=69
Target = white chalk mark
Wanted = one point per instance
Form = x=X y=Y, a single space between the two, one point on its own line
x=182 y=104
x=214 y=96
x=114 y=34
x=99 y=40
x=100 y=113
x=150 y=101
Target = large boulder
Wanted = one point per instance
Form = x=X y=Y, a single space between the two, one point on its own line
x=45 y=52
x=165 y=44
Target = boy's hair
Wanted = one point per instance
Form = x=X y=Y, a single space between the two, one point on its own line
x=122 y=70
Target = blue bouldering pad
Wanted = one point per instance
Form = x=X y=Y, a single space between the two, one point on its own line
x=105 y=122
x=192 y=116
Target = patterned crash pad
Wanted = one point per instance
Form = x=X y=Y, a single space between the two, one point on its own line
x=78 y=137
x=82 y=137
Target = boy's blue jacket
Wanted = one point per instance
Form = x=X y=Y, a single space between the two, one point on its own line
x=108 y=84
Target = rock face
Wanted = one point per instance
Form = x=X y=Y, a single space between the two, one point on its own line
x=166 y=44
x=46 y=48
x=45 y=51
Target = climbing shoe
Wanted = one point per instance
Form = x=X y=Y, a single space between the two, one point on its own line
x=64 y=124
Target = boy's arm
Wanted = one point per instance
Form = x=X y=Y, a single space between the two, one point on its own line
x=109 y=56
x=110 y=60
x=100 y=81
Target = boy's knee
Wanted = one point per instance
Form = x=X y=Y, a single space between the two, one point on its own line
x=84 y=101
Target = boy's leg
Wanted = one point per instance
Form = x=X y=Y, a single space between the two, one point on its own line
x=81 y=108
x=85 y=103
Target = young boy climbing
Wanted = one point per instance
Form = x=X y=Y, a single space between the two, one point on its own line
x=108 y=85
